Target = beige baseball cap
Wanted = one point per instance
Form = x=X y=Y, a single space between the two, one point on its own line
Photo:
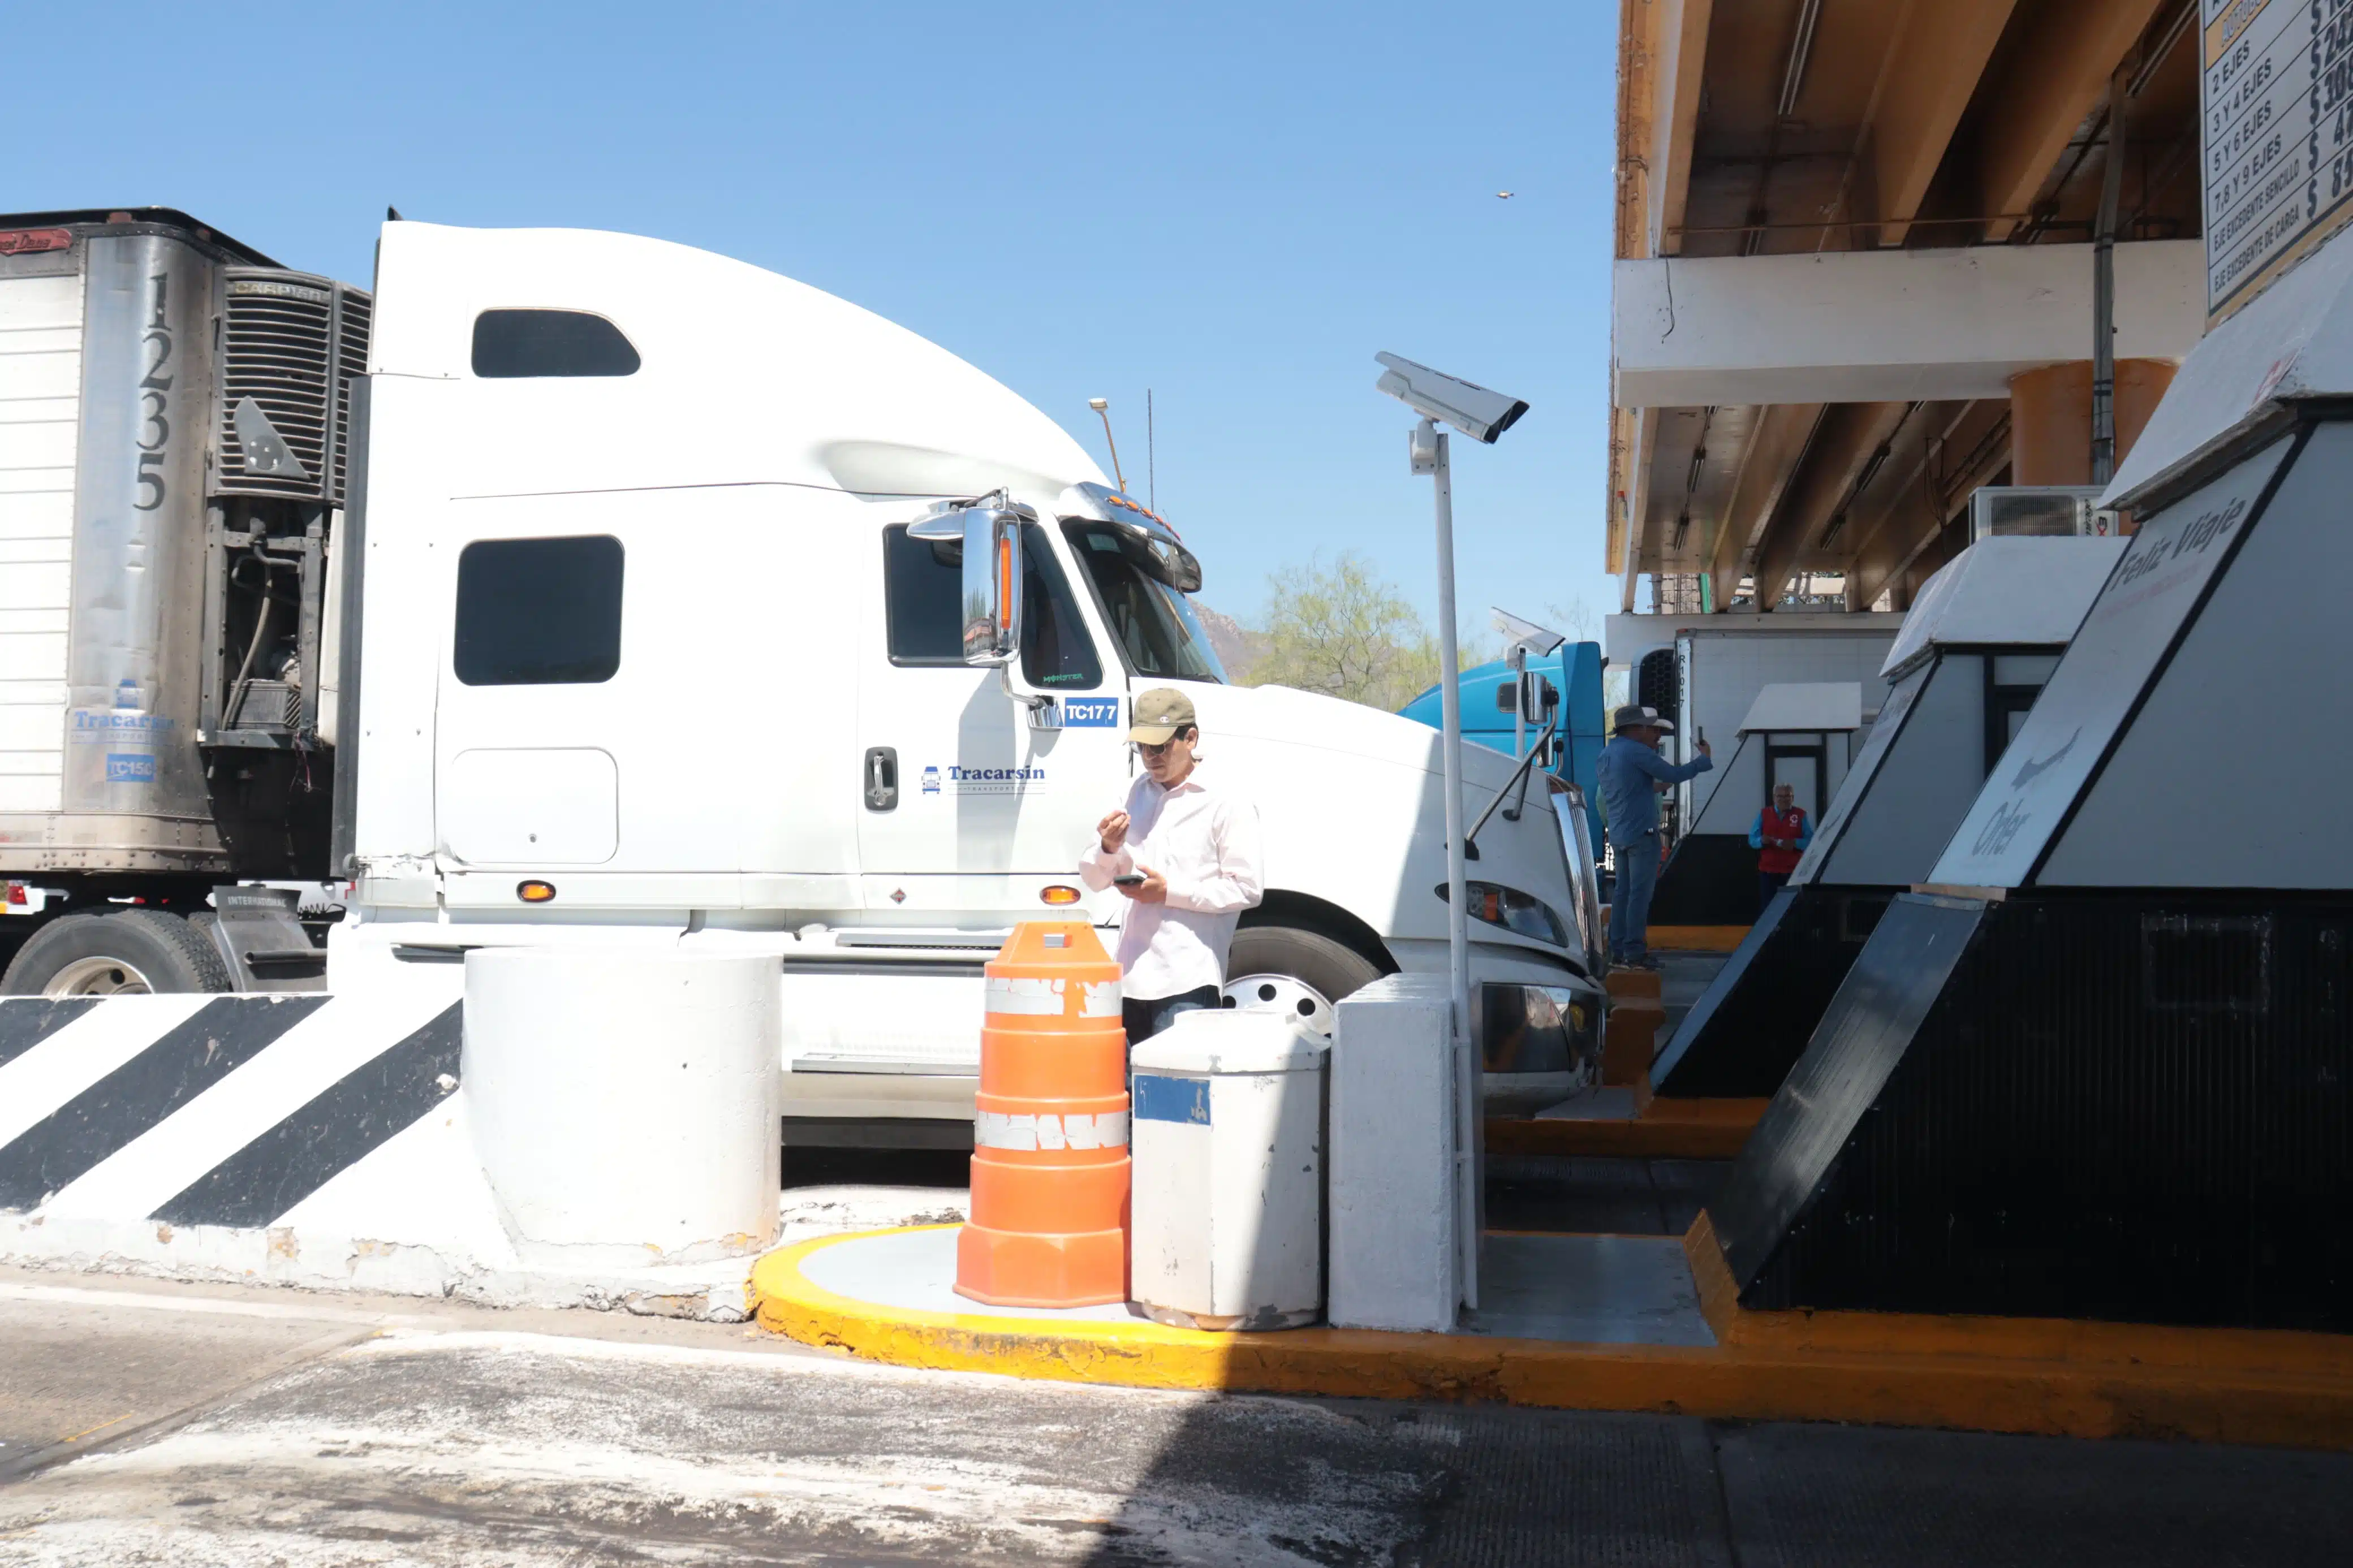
x=1159 y=714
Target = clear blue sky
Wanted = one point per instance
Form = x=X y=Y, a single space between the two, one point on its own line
x=1234 y=205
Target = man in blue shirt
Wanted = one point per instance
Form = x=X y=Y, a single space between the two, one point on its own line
x=1632 y=774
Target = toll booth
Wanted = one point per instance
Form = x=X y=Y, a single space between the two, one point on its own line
x=2101 y=1064
x=1983 y=637
x=1722 y=667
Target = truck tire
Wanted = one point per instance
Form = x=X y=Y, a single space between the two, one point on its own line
x=1291 y=970
x=125 y=953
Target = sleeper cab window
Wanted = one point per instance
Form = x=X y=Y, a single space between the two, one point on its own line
x=539 y=612
x=509 y=344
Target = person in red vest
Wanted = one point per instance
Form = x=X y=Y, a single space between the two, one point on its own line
x=1780 y=838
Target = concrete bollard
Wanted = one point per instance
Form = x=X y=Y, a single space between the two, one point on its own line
x=625 y=1106
x=1393 y=1214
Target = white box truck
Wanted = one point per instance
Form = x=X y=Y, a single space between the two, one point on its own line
x=670 y=601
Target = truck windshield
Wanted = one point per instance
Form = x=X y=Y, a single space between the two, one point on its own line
x=1153 y=622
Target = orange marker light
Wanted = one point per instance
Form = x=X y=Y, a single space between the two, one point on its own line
x=1005 y=584
x=1058 y=893
x=534 y=891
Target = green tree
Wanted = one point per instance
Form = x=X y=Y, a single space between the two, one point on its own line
x=1340 y=630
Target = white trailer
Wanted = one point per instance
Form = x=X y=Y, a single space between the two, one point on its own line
x=172 y=458
x=654 y=576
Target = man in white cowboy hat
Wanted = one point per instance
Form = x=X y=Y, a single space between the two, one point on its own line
x=1186 y=856
x=1632 y=774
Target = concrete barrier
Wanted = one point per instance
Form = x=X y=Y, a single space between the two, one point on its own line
x=1393 y=1236
x=321 y=1142
x=626 y=1104
x=228 y=1111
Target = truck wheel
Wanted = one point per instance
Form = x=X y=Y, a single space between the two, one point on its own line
x=1302 y=973
x=126 y=953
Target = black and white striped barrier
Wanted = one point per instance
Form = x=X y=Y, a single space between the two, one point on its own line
x=228 y=1111
x=307 y=1140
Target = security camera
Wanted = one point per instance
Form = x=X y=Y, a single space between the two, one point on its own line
x=1539 y=641
x=1476 y=412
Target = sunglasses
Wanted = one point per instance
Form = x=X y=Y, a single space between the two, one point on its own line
x=1162 y=749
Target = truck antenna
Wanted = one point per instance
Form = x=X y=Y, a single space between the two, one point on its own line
x=1151 y=460
x=1103 y=406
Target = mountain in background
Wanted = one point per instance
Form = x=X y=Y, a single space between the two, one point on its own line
x=1237 y=646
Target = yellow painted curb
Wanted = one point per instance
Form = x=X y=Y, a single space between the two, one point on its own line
x=1995 y=1376
x=1694 y=939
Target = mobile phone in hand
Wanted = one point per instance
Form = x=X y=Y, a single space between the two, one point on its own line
x=1133 y=879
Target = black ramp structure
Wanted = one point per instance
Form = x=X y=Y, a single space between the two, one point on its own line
x=1882 y=1001
x=2118 y=1082
x=1984 y=634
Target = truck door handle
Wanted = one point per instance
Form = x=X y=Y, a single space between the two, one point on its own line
x=881 y=778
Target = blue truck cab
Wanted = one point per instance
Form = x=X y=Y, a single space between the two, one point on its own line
x=1573 y=670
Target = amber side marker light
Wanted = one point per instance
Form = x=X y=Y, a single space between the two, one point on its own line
x=1060 y=893
x=534 y=891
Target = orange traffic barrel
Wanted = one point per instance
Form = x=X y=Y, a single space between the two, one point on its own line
x=1050 y=1136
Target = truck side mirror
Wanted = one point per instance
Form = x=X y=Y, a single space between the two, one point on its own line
x=992 y=587
x=991 y=596
x=1530 y=694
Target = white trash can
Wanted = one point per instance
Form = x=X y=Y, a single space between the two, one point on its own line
x=1227 y=1136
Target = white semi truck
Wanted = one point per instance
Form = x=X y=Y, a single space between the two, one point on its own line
x=641 y=596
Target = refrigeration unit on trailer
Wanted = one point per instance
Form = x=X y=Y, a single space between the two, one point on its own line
x=1981 y=638
x=2102 y=1066
x=1722 y=666
x=702 y=608
x=173 y=416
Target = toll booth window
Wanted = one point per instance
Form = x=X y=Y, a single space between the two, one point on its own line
x=923 y=582
x=539 y=612
x=508 y=344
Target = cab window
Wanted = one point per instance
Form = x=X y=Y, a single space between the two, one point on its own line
x=1152 y=622
x=539 y=612
x=512 y=345
x=923 y=581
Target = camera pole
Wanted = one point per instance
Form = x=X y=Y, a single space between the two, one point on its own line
x=1429 y=456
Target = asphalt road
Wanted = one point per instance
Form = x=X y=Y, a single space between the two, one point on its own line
x=228 y=1426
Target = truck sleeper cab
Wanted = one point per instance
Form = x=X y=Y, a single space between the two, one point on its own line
x=666 y=632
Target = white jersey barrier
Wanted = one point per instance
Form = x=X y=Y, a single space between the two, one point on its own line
x=626 y=1103
x=325 y=1141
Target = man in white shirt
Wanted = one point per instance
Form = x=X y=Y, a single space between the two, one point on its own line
x=1185 y=854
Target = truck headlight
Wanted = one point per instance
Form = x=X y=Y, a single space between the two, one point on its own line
x=1539 y=1028
x=1514 y=911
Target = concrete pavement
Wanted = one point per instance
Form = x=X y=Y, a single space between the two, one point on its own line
x=271 y=1426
